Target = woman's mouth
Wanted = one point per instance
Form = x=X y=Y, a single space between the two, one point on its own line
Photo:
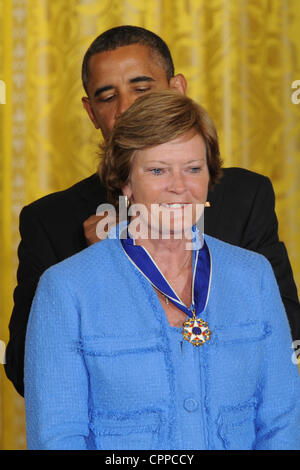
x=174 y=205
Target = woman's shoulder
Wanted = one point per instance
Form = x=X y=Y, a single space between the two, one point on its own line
x=236 y=260
x=227 y=249
x=100 y=256
x=248 y=279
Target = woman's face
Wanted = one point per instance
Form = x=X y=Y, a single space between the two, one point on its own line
x=171 y=181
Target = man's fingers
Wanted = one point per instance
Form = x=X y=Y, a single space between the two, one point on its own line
x=92 y=220
x=96 y=227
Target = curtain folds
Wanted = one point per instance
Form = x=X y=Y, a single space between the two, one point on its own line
x=240 y=58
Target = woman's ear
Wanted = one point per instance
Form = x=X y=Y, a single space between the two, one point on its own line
x=127 y=191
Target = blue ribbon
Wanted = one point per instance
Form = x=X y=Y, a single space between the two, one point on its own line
x=143 y=261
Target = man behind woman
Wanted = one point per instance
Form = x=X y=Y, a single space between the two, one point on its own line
x=157 y=346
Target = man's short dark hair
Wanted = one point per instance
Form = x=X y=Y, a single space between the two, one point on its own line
x=125 y=36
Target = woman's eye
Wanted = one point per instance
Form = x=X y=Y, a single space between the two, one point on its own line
x=156 y=171
x=195 y=169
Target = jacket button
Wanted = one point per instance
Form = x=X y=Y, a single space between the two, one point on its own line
x=190 y=404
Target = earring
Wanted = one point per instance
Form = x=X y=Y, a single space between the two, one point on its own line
x=207 y=204
x=127 y=201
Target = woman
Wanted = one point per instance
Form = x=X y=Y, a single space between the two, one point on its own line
x=140 y=342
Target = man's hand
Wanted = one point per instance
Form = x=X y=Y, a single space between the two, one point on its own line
x=90 y=227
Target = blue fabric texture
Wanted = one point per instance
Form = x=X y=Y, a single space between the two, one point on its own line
x=105 y=370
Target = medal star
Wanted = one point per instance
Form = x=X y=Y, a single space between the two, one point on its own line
x=196 y=331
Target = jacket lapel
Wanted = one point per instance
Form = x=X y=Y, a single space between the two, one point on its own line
x=212 y=214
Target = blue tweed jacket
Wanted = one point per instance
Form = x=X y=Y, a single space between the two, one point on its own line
x=105 y=370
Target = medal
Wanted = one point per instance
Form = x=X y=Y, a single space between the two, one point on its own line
x=195 y=329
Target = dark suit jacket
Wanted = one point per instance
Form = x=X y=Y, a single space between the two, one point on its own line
x=241 y=213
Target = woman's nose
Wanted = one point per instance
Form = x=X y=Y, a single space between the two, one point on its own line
x=177 y=182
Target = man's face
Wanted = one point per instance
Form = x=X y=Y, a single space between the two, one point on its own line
x=117 y=78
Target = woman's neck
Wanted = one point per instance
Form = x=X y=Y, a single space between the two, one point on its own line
x=170 y=255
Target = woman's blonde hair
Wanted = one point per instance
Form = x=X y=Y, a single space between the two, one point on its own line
x=155 y=119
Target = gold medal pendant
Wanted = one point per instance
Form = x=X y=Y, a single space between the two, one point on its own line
x=196 y=331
